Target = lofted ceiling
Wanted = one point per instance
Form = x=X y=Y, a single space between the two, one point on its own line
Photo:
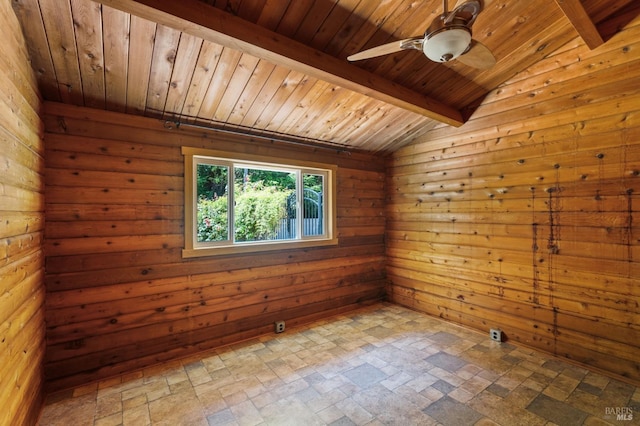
x=278 y=68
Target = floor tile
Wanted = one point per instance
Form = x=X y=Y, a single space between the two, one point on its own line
x=446 y=362
x=443 y=386
x=223 y=417
x=342 y=421
x=365 y=375
x=137 y=416
x=498 y=390
x=451 y=412
x=556 y=411
x=443 y=338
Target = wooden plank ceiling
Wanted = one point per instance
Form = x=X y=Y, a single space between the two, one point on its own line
x=278 y=68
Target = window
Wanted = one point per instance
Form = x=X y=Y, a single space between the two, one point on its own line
x=247 y=203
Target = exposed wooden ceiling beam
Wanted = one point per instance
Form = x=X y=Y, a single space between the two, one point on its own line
x=209 y=23
x=577 y=15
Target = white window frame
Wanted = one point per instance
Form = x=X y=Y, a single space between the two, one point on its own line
x=193 y=248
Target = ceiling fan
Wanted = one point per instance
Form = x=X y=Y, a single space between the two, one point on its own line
x=447 y=38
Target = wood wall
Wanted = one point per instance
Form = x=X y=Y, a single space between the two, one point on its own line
x=22 y=342
x=119 y=294
x=525 y=218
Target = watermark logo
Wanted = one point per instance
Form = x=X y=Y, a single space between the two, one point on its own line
x=619 y=413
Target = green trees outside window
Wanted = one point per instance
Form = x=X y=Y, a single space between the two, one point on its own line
x=264 y=203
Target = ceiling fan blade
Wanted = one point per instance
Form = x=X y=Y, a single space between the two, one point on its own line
x=385 y=49
x=478 y=56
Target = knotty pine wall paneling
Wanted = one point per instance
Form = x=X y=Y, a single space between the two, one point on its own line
x=526 y=218
x=119 y=295
x=22 y=333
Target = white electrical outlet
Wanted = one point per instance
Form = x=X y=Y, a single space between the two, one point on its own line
x=495 y=334
x=279 y=326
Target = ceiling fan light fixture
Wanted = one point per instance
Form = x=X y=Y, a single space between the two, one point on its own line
x=447 y=44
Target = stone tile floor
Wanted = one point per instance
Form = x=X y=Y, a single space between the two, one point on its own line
x=381 y=365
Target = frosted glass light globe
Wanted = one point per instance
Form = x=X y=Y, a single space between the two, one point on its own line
x=447 y=45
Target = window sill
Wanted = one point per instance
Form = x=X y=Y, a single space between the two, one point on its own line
x=256 y=247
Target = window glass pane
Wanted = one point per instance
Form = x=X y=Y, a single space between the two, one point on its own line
x=287 y=228
x=212 y=202
x=313 y=205
x=262 y=204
